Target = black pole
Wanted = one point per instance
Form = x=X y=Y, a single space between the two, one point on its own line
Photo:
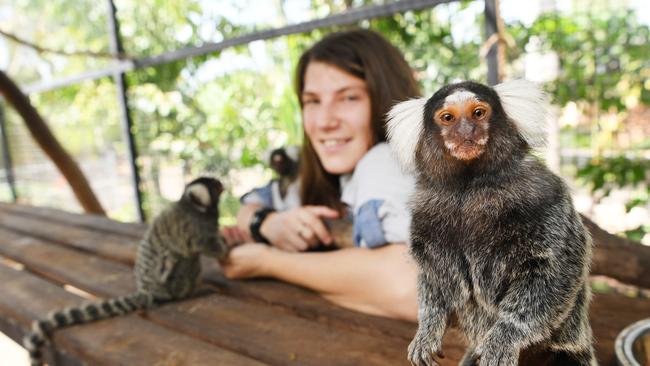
x=127 y=121
x=6 y=155
x=490 y=29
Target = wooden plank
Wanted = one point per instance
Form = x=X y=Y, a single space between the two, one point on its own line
x=609 y=315
x=68 y=266
x=302 y=302
x=108 y=245
x=94 y=222
x=305 y=303
x=128 y=340
x=237 y=322
x=275 y=336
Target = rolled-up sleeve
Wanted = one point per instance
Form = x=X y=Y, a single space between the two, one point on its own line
x=377 y=193
x=261 y=196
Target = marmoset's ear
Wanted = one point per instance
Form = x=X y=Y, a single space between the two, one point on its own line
x=199 y=196
x=526 y=104
x=404 y=129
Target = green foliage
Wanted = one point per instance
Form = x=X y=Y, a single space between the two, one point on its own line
x=603 y=56
x=604 y=67
x=59 y=25
x=430 y=48
x=606 y=174
x=219 y=112
x=86 y=117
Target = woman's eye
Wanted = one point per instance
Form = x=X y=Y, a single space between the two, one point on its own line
x=479 y=113
x=309 y=101
x=351 y=98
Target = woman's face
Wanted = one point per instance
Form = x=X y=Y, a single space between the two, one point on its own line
x=336 y=114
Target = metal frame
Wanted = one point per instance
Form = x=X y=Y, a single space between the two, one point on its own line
x=127 y=122
x=345 y=18
x=6 y=154
x=118 y=69
x=490 y=29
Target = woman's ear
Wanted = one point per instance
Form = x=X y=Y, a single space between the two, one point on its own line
x=404 y=130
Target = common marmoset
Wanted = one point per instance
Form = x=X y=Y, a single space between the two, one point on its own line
x=285 y=162
x=167 y=266
x=499 y=246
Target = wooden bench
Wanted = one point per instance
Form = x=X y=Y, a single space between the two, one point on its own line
x=50 y=259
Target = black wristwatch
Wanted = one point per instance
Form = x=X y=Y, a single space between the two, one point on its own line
x=256 y=223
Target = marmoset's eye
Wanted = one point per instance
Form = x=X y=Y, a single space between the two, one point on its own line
x=447 y=117
x=479 y=113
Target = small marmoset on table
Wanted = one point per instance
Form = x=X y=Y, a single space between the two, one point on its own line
x=501 y=251
x=167 y=265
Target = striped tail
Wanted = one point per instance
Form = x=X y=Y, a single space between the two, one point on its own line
x=42 y=329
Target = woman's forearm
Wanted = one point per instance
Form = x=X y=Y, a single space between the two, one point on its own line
x=379 y=281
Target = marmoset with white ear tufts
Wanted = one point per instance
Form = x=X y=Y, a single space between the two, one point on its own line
x=500 y=249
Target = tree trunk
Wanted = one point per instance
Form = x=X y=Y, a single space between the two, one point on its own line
x=619 y=258
x=48 y=142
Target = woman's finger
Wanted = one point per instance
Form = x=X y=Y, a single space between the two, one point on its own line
x=229 y=235
x=296 y=242
x=322 y=211
x=308 y=234
x=315 y=227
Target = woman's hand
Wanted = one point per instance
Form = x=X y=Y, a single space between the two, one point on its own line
x=298 y=229
x=247 y=261
x=233 y=235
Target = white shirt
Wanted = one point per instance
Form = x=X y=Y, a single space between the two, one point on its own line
x=378 y=192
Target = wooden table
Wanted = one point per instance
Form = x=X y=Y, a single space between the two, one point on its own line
x=50 y=259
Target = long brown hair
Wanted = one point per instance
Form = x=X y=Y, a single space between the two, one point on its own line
x=368 y=56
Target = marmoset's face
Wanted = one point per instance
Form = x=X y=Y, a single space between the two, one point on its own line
x=463 y=120
x=336 y=115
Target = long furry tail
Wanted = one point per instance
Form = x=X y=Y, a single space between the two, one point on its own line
x=42 y=329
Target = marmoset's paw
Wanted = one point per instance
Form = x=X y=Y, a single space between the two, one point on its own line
x=422 y=350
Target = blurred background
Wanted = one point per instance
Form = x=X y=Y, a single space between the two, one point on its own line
x=219 y=113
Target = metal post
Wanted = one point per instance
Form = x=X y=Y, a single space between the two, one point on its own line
x=6 y=154
x=490 y=29
x=127 y=122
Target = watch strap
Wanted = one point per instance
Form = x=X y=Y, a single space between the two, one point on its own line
x=256 y=223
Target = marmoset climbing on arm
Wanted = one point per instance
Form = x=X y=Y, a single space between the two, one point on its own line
x=498 y=243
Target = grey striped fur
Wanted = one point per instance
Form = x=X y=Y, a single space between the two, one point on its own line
x=502 y=253
x=167 y=265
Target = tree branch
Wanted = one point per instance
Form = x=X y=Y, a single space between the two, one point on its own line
x=619 y=258
x=50 y=145
x=41 y=49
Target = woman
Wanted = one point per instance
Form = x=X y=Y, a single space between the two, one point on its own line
x=346 y=83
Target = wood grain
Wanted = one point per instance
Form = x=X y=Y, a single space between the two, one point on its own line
x=127 y=340
x=257 y=320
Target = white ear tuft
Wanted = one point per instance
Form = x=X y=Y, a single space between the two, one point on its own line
x=200 y=194
x=293 y=151
x=404 y=130
x=527 y=105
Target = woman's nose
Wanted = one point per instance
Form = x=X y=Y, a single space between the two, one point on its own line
x=328 y=118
